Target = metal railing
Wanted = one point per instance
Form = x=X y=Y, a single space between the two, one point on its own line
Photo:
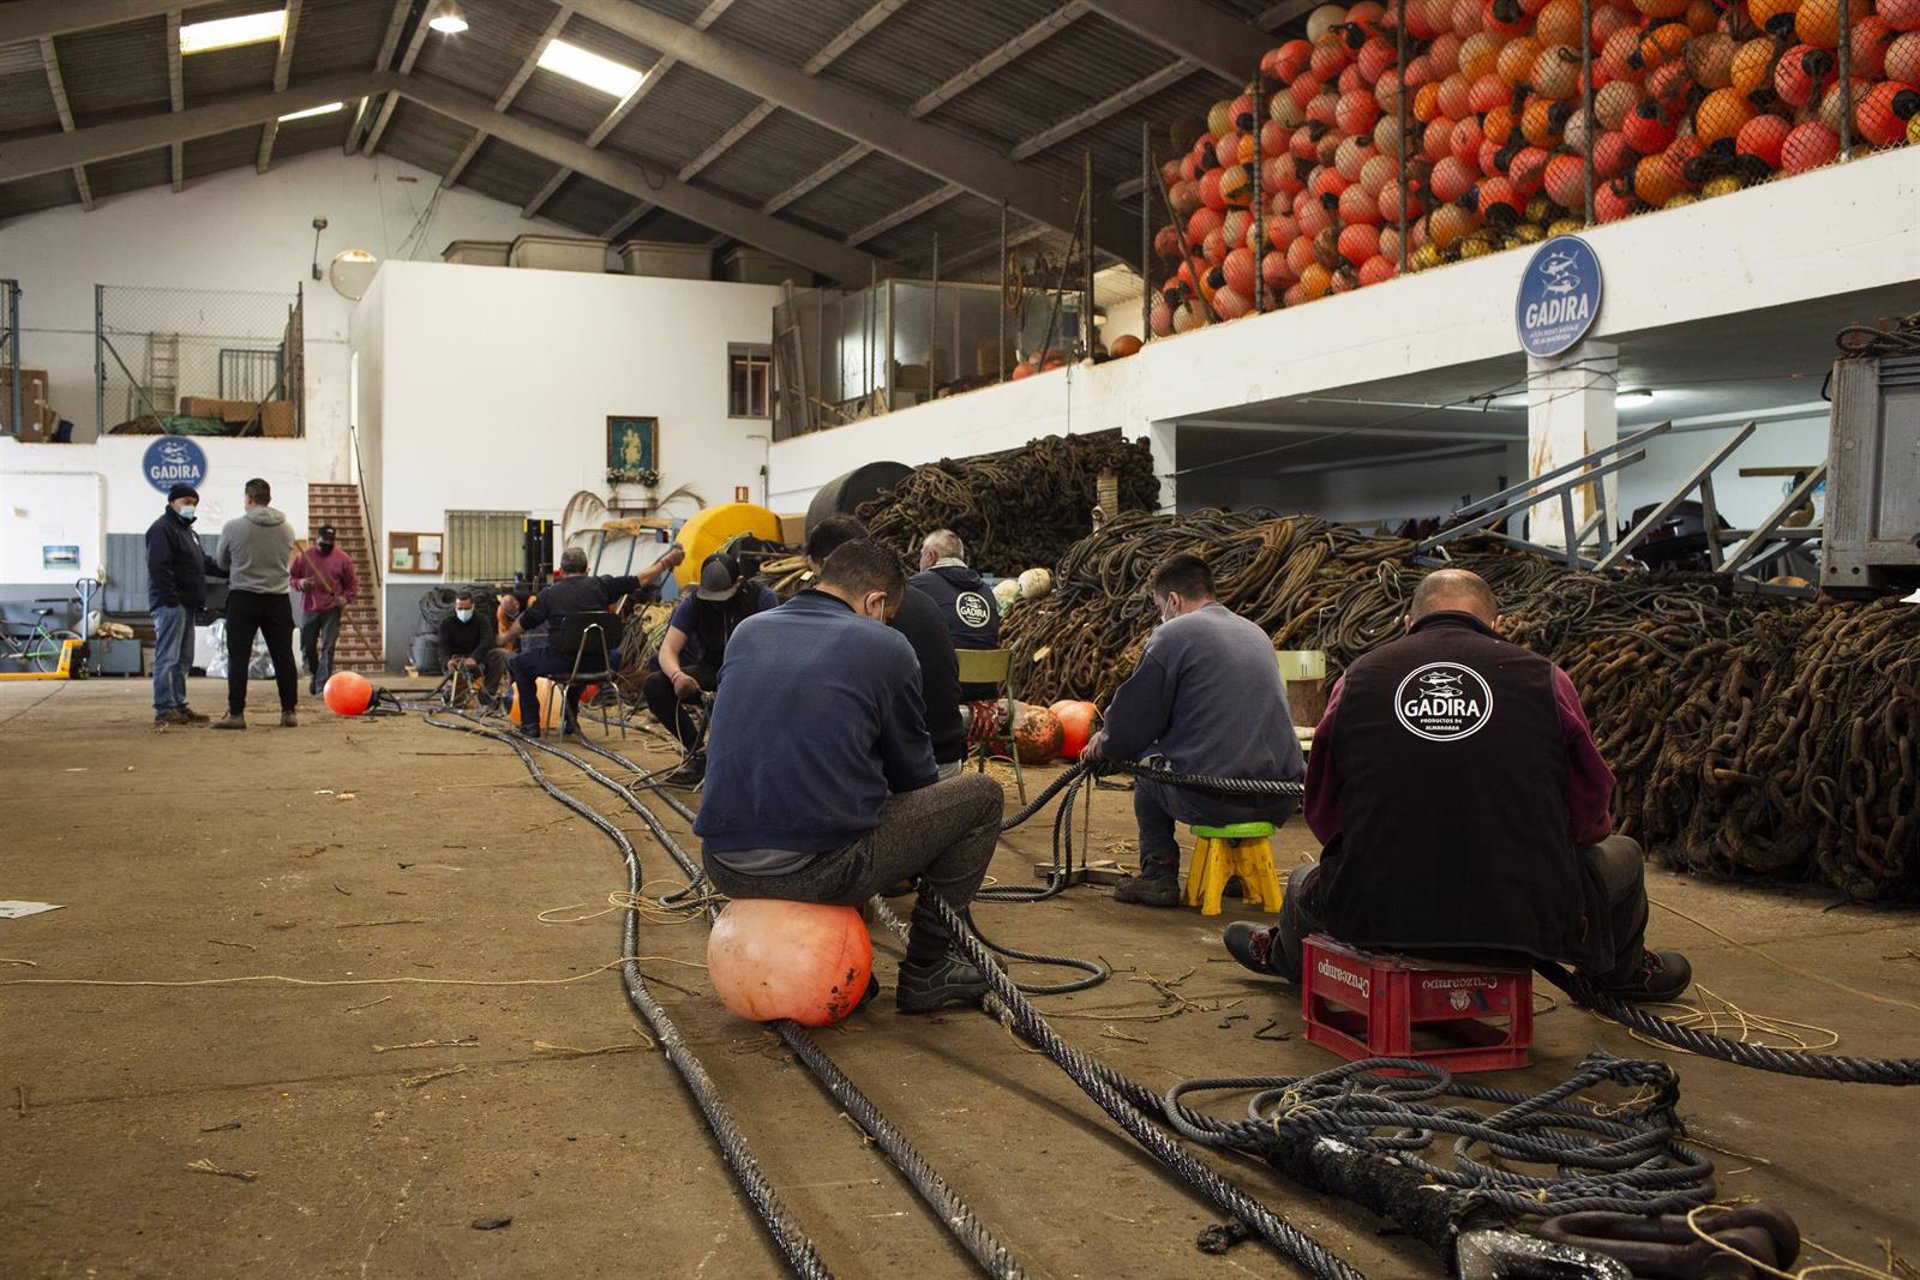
x=198 y=361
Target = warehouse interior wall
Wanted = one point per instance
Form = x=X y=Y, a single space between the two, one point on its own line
x=237 y=230
x=489 y=389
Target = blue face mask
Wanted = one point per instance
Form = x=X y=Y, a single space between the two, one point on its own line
x=189 y=513
x=465 y=615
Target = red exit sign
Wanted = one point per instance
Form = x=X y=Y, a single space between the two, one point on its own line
x=739 y=493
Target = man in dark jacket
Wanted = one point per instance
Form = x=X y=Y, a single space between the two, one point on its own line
x=572 y=591
x=467 y=643
x=1462 y=806
x=965 y=604
x=695 y=645
x=1205 y=698
x=919 y=620
x=177 y=568
x=820 y=781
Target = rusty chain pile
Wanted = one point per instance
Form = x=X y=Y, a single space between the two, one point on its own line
x=1017 y=509
x=1750 y=734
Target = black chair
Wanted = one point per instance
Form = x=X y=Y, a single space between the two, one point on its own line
x=584 y=635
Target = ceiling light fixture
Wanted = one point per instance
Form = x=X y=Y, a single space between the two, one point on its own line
x=590 y=69
x=227 y=33
x=324 y=109
x=447 y=19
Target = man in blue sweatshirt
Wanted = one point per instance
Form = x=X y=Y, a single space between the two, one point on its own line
x=1206 y=698
x=821 y=784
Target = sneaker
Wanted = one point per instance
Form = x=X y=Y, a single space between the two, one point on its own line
x=171 y=716
x=231 y=721
x=1148 y=891
x=190 y=716
x=1252 y=946
x=691 y=773
x=288 y=720
x=926 y=985
x=1663 y=976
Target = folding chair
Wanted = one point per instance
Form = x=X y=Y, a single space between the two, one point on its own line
x=585 y=635
x=994 y=667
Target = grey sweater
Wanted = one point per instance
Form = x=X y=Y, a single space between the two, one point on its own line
x=255 y=550
x=1207 y=695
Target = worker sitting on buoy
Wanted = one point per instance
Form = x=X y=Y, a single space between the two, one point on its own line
x=1463 y=809
x=572 y=591
x=821 y=785
x=1205 y=698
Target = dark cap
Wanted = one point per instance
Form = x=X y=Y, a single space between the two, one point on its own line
x=324 y=533
x=719 y=577
x=179 y=491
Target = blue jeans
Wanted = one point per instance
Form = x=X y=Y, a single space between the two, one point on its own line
x=172 y=629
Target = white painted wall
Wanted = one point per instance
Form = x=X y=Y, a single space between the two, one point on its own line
x=1719 y=257
x=236 y=230
x=489 y=389
x=1671 y=458
x=131 y=504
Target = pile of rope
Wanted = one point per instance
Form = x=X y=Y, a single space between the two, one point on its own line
x=1749 y=734
x=1017 y=509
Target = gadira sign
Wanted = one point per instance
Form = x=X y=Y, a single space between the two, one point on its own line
x=1559 y=296
x=172 y=460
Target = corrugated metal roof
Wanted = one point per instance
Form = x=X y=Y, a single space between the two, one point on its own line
x=930 y=41
x=782 y=150
x=424 y=138
x=788 y=32
x=586 y=204
x=507 y=173
x=681 y=116
x=335 y=36
x=225 y=71
x=113 y=70
x=223 y=151
x=962 y=223
x=26 y=102
x=42 y=192
x=128 y=173
x=608 y=43
x=559 y=103
x=499 y=35
x=868 y=190
x=679 y=10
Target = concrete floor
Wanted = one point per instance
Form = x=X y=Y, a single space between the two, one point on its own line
x=352 y=850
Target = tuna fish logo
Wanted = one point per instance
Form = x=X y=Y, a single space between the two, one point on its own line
x=1560 y=275
x=1443 y=702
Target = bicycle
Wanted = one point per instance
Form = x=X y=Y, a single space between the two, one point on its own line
x=43 y=648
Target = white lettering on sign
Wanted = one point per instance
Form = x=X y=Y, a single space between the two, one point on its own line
x=1443 y=701
x=1568 y=310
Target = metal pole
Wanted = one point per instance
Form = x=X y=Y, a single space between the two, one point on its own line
x=1586 y=110
x=933 y=314
x=1258 y=196
x=1166 y=200
x=1000 y=350
x=1846 y=82
x=1400 y=111
x=99 y=361
x=1086 y=248
x=1146 y=233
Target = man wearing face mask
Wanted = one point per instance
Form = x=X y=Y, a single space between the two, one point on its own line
x=323 y=575
x=467 y=642
x=821 y=784
x=177 y=569
x=1206 y=698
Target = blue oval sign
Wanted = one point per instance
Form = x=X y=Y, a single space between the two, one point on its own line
x=1559 y=296
x=172 y=460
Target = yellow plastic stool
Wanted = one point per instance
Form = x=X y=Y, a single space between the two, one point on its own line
x=1221 y=853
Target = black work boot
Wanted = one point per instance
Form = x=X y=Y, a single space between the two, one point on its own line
x=926 y=985
x=1253 y=946
x=1663 y=976
x=1148 y=891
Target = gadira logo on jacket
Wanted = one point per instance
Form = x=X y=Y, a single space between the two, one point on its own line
x=974 y=609
x=1443 y=702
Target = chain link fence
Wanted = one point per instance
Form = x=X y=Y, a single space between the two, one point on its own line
x=11 y=397
x=1404 y=137
x=198 y=361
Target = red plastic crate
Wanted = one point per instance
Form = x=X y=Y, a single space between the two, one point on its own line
x=1365 y=1004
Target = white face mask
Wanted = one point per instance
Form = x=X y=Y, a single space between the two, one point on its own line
x=465 y=615
x=189 y=513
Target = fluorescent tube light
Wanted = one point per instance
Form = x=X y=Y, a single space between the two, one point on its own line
x=325 y=109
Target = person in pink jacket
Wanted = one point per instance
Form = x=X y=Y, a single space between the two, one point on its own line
x=324 y=576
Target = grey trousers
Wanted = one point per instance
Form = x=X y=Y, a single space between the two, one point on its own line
x=943 y=834
x=1617 y=860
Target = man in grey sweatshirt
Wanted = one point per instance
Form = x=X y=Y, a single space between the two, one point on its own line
x=1207 y=698
x=255 y=550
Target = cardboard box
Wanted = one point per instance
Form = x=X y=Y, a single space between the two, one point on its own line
x=276 y=419
x=33 y=402
x=202 y=407
x=793 y=530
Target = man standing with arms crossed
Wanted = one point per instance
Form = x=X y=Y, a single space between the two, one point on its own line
x=254 y=551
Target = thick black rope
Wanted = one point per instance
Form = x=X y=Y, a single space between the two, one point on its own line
x=953 y=1212
x=1623 y=1159
x=786 y=1234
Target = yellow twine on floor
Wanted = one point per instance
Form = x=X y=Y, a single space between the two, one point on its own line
x=1796 y=970
x=408 y=980
x=1842 y=1264
x=1718 y=1016
x=653 y=908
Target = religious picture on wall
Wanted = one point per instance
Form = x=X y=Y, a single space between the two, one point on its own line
x=633 y=450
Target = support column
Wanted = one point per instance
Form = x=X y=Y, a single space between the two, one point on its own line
x=1570 y=413
x=1161 y=439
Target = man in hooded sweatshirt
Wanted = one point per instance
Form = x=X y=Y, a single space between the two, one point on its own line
x=254 y=551
x=323 y=575
x=971 y=616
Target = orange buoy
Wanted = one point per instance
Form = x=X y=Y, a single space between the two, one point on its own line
x=769 y=959
x=348 y=693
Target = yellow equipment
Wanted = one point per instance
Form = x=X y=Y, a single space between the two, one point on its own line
x=709 y=530
x=67 y=670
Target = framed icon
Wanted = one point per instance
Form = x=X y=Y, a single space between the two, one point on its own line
x=633 y=450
